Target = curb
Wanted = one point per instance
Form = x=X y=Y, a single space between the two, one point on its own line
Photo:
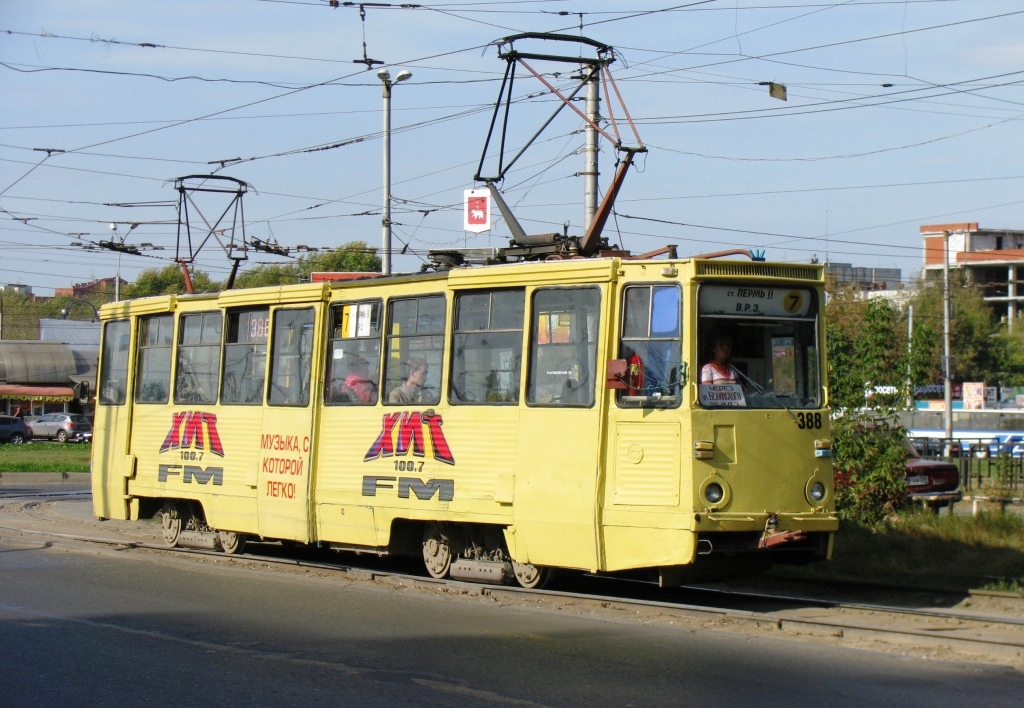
x=24 y=479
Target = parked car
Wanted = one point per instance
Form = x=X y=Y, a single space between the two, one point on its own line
x=13 y=430
x=62 y=427
x=934 y=483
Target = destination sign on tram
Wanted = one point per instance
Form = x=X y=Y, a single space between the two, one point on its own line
x=754 y=301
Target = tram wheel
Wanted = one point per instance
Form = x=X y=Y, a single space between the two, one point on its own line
x=171 y=523
x=437 y=554
x=531 y=576
x=231 y=543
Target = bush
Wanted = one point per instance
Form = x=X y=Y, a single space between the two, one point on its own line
x=870 y=477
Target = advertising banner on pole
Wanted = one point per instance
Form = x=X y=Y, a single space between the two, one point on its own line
x=477 y=211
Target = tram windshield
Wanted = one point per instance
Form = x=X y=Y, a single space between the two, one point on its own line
x=758 y=347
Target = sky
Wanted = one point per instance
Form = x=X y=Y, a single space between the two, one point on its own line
x=899 y=113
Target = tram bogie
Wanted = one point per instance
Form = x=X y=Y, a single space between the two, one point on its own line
x=498 y=422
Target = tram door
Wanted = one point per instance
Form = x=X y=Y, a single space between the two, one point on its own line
x=286 y=441
x=556 y=473
x=645 y=471
x=112 y=464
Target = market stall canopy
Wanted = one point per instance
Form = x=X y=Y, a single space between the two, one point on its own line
x=35 y=362
x=37 y=393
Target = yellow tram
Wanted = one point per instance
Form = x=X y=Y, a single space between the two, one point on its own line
x=501 y=421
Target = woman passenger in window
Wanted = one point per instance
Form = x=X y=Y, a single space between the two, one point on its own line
x=357 y=383
x=719 y=370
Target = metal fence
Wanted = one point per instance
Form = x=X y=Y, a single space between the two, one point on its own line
x=980 y=469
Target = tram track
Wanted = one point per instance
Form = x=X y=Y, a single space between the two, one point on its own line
x=929 y=630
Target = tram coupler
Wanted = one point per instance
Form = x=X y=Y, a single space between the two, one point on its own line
x=199 y=539
x=770 y=540
x=478 y=571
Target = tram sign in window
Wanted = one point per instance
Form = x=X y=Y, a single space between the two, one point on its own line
x=353 y=354
x=755 y=301
x=245 y=356
x=759 y=347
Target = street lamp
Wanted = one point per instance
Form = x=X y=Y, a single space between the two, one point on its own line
x=385 y=78
x=120 y=243
x=67 y=310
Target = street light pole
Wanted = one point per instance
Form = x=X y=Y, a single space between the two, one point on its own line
x=947 y=368
x=117 y=279
x=385 y=77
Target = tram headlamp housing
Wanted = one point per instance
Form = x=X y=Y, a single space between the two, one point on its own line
x=817 y=491
x=714 y=492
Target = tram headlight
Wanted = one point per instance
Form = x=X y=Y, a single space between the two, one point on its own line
x=817 y=491
x=714 y=492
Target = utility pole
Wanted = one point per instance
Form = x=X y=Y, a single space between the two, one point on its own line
x=947 y=363
x=590 y=173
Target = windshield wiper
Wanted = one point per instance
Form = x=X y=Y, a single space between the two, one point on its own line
x=765 y=392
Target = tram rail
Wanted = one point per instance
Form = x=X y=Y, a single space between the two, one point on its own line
x=999 y=638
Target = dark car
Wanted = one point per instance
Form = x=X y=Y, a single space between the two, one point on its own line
x=13 y=430
x=62 y=427
x=934 y=483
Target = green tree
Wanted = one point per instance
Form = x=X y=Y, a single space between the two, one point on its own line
x=169 y=280
x=268 y=274
x=352 y=257
x=20 y=314
x=867 y=353
x=356 y=256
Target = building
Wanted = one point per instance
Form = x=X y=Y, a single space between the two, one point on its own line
x=990 y=259
x=845 y=274
x=102 y=286
x=16 y=288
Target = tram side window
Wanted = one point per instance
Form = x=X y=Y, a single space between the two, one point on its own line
x=114 y=363
x=415 y=349
x=651 y=345
x=487 y=347
x=292 y=357
x=198 y=367
x=154 y=376
x=563 y=347
x=353 y=354
x=245 y=356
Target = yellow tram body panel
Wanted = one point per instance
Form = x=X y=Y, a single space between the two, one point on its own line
x=237 y=403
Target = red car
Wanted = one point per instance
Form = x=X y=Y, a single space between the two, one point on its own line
x=934 y=483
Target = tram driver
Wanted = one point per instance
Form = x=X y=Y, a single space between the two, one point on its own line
x=720 y=369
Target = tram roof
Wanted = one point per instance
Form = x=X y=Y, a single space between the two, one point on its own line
x=579 y=270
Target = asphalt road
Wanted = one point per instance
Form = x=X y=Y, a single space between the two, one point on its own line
x=99 y=627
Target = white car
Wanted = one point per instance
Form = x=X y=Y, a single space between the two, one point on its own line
x=62 y=427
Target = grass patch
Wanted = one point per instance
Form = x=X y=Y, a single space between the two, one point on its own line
x=918 y=548
x=45 y=457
